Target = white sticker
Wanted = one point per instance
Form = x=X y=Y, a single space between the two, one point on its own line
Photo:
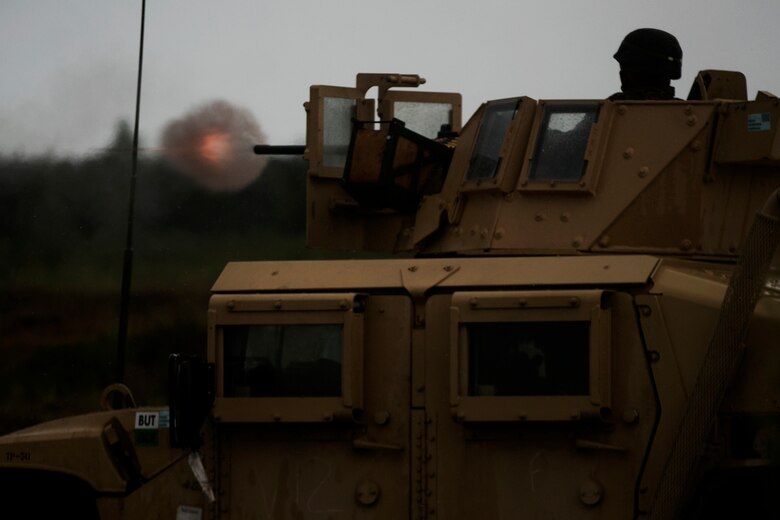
x=147 y=421
x=196 y=465
x=189 y=513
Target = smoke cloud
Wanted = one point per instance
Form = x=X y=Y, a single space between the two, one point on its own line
x=212 y=144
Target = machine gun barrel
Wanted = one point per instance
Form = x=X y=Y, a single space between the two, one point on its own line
x=267 y=149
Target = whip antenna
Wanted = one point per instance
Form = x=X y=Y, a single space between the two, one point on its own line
x=127 y=262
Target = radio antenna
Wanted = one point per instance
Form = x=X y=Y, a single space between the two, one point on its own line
x=127 y=262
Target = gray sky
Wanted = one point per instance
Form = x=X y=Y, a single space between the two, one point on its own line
x=69 y=67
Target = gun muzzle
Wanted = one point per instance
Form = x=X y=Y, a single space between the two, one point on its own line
x=267 y=149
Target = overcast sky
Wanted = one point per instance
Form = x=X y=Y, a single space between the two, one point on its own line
x=69 y=66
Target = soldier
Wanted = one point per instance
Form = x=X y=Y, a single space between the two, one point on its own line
x=649 y=59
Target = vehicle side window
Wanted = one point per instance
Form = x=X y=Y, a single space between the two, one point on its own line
x=283 y=360
x=528 y=358
x=562 y=143
x=540 y=355
x=486 y=158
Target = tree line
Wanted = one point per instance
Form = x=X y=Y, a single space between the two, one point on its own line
x=54 y=208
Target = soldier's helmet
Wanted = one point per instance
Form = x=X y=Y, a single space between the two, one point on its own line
x=650 y=52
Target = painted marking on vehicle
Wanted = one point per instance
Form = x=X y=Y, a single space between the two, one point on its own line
x=17 y=456
x=147 y=420
x=147 y=429
x=761 y=122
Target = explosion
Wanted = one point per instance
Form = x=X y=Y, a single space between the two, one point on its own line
x=215 y=147
x=212 y=144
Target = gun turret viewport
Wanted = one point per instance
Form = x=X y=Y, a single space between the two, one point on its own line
x=267 y=149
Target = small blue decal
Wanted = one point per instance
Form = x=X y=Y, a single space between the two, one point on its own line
x=759 y=122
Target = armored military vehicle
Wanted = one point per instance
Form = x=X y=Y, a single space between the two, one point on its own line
x=581 y=322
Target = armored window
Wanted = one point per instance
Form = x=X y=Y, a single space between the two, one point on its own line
x=426 y=119
x=287 y=357
x=567 y=146
x=563 y=140
x=529 y=355
x=528 y=358
x=426 y=113
x=337 y=130
x=487 y=152
x=330 y=113
x=282 y=360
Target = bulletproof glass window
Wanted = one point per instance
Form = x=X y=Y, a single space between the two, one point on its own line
x=290 y=357
x=486 y=157
x=283 y=360
x=338 y=115
x=529 y=355
x=528 y=358
x=424 y=118
x=562 y=143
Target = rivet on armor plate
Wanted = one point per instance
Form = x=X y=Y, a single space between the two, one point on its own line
x=367 y=493
x=628 y=153
x=591 y=492
x=643 y=171
x=630 y=416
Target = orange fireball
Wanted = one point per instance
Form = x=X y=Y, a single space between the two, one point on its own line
x=214 y=147
x=212 y=144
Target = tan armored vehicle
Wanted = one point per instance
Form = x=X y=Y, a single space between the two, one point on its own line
x=584 y=324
